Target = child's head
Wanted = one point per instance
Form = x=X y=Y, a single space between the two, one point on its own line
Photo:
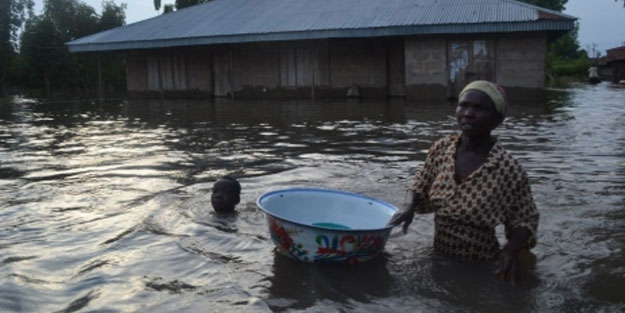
x=226 y=194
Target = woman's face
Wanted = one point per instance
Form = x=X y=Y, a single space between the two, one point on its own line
x=476 y=114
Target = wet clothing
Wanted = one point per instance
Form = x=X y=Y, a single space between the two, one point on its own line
x=466 y=214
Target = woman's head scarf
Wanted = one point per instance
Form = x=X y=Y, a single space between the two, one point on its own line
x=492 y=90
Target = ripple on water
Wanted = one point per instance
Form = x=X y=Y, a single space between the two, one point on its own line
x=107 y=207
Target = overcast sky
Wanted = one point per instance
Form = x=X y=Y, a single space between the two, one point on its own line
x=602 y=22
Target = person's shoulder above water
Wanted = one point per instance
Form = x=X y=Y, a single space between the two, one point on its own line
x=444 y=143
x=446 y=140
x=505 y=157
x=442 y=146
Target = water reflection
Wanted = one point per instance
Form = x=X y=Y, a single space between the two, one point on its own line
x=106 y=207
x=297 y=285
x=473 y=287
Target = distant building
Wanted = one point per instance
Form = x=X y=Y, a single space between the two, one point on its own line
x=615 y=60
x=325 y=48
x=605 y=70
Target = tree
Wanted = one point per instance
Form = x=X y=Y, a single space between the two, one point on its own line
x=112 y=15
x=71 y=18
x=41 y=53
x=12 y=16
x=179 y=4
x=564 y=55
x=13 y=13
x=113 y=75
x=45 y=62
x=567 y=46
x=168 y=8
x=565 y=58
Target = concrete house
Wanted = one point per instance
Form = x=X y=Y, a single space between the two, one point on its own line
x=615 y=58
x=419 y=49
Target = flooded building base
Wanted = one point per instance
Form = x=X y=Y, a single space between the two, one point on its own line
x=414 y=67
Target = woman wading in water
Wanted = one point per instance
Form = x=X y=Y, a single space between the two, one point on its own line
x=472 y=185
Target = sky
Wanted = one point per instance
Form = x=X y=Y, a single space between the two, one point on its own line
x=602 y=22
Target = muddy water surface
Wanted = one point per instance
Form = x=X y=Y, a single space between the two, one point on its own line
x=106 y=207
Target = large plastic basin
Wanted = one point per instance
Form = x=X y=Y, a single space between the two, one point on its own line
x=326 y=226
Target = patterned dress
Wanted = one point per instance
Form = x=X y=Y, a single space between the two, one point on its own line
x=466 y=214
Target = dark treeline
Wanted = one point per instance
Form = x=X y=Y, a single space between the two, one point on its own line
x=565 y=58
x=38 y=62
x=177 y=5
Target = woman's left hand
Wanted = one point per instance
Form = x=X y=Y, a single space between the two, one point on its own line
x=508 y=266
x=509 y=261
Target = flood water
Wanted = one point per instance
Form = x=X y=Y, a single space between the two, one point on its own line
x=106 y=207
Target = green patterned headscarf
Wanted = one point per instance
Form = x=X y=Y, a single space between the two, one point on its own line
x=492 y=90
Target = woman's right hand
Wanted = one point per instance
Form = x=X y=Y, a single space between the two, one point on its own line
x=404 y=215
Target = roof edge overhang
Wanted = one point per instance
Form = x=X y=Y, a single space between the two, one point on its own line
x=560 y=26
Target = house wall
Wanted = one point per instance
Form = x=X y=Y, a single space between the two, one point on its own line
x=179 y=74
x=221 y=72
x=426 y=65
x=284 y=70
x=437 y=68
x=415 y=67
x=396 y=68
x=618 y=71
x=358 y=63
x=255 y=66
x=470 y=59
x=326 y=68
x=521 y=65
x=199 y=68
x=605 y=72
x=136 y=72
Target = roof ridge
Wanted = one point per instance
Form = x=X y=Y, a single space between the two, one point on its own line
x=235 y=21
x=616 y=48
x=539 y=8
x=162 y=14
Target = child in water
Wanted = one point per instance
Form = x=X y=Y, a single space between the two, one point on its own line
x=225 y=194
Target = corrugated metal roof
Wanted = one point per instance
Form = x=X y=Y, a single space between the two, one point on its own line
x=232 y=21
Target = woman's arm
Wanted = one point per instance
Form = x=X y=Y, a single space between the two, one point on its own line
x=508 y=261
x=521 y=223
x=419 y=190
x=406 y=214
